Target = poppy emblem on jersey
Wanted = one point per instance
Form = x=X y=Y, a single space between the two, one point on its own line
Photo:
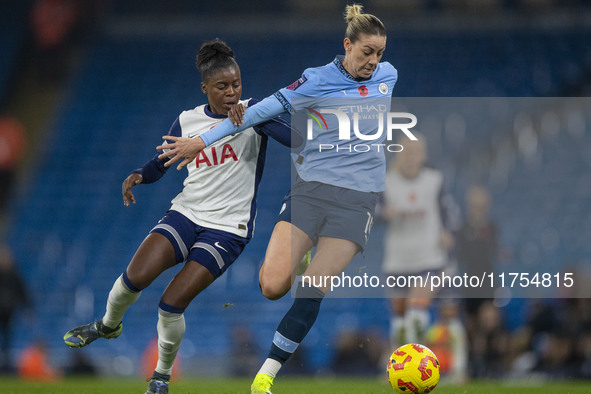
x=317 y=117
x=383 y=88
x=297 y=83
x=363 y=91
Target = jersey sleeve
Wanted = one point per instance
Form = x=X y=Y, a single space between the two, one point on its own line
x=306 y=86
x=278 y=129
x=155 y=169
x=267 y=109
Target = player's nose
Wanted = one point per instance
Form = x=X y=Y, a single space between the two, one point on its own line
x=231 y=91
x=374 y=59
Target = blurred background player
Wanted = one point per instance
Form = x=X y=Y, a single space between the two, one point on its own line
x=327 y=207
x=477 y=246
x=127 y=75
x=418 y=238
x=210 y=221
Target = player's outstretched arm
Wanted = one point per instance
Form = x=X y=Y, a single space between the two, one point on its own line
x=187 y=149
x=129 y=182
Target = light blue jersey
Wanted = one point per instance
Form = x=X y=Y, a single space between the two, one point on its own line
x=354 y=163
x=342 y=166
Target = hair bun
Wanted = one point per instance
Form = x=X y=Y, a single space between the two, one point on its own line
x=215 y=49
x=359 y=23
x=353 y=10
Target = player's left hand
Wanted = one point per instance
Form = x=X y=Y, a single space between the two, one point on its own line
x=179 y=148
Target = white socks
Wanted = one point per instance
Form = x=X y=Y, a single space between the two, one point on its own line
x=270 y=367
x=410 y=328
x=397 y=331
x=416 y=322
x=120 y=298
x=171 y=328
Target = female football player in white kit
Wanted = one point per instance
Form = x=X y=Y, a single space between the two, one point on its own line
x=421 y=219
x=333 y=196
x=210 y=221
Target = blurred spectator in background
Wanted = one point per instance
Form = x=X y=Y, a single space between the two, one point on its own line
x=557 y=338
x=420 y=219
x=34 y=364
x=244 y=348
x=297 y=364
x=81 y=365
x=447 y=339
x=12 y=148
x=477 y=251
x=13 y=295
x=477 y=248
x=584 y=349
x=489 y=343
x=359 y=353
x=53 y=23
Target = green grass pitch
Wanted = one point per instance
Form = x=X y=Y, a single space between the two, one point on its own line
x=283 y=386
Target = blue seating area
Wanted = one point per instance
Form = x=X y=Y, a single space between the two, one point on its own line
x=73 y=236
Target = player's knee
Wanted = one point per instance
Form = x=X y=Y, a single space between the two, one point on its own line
x=140 y=280
x=272 y=290
x=274 y=280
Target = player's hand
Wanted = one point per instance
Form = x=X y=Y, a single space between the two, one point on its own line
x=446 y=240
x=132 y=180
x=177 y=148
x=236 y=114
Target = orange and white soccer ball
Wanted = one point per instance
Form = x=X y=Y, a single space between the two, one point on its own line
x=413 y=368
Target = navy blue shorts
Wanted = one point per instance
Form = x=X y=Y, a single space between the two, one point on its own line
x=216 y=250
x=322 y=210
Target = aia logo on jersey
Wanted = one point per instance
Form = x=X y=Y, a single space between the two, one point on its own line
x=297 y=83
x=363 y=91
x=213 y=157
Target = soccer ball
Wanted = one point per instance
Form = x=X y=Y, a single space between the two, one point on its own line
x=413 y=368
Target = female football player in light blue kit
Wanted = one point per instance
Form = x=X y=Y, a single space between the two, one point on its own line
x=335 y=192
x=210 y=222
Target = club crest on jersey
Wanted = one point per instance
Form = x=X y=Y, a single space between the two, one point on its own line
x=297 y=83
x=383 y=88
x=213 y=157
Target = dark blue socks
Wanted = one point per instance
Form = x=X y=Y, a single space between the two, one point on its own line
x=296 y=323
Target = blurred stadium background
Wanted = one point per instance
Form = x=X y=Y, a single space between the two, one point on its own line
x=94 y=84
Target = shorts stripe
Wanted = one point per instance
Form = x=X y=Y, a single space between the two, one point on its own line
x=177 y=237
x=287 y=345
x=213 y=251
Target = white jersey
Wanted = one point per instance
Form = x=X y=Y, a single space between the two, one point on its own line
x=220 y=188
x=412 y=242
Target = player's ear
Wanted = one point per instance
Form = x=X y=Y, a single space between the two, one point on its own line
x=347 y=44
x=204 y=88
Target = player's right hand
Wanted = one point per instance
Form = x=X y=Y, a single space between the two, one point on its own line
x=236 y=114
x=132 y=180
x=177 y=148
